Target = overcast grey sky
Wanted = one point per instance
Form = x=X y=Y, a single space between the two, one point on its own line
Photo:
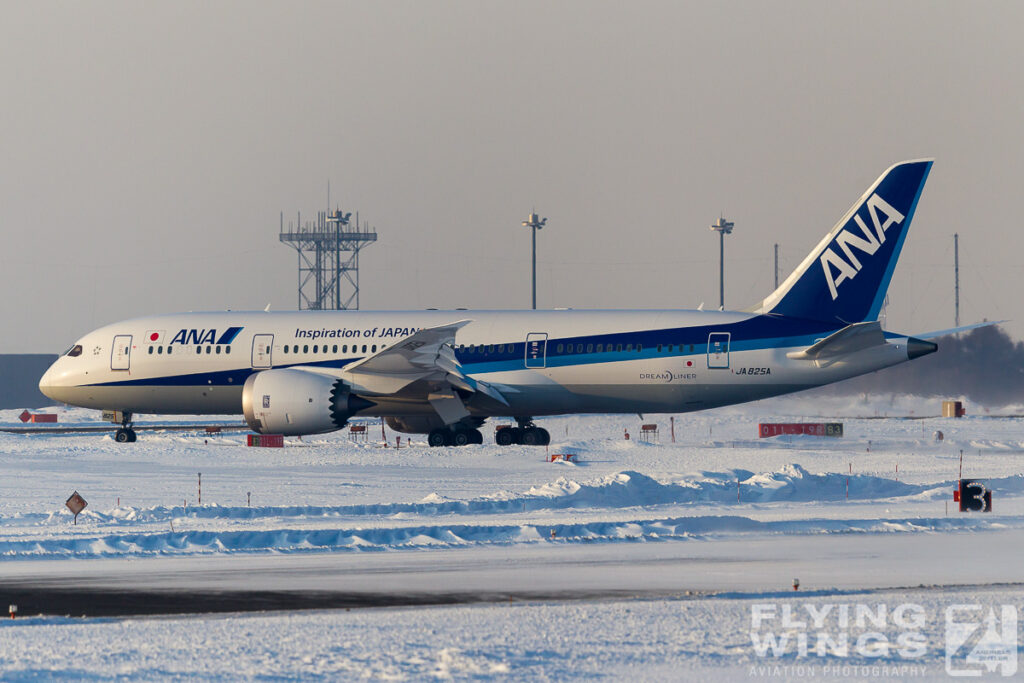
x=147 y=150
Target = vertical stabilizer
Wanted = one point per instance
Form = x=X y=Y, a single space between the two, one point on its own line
x=847 y=275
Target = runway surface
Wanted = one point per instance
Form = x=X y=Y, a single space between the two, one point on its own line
x=556 y=571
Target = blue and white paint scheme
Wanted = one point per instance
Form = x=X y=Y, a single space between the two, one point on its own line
x=445 y=372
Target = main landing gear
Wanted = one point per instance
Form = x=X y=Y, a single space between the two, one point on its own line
x=526 y=433
x=455 y=436
x=125 y=434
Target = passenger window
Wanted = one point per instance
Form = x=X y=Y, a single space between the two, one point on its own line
x=691 y=348
x=151 y=350
x=364 y=348
x=76 y=350
x=560 y=348
x=590 y=348
x=659 y=348
x=334 y=349
x=639 y=348
x=490 y=348
x=169 y=349
x=286 y=348
x=227 y=349
x=344 y=349
x=579 y=348
x=159 y=349
x=218 y=349
x=600 y=348
x=629 y=347
x=305 y=348
x=375 y=348
x=315 y=347
x=209 y=349
x=618 y=348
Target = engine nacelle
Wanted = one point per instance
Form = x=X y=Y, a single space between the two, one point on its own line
x=296 y=402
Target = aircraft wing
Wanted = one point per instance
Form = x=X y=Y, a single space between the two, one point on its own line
x=425 y=355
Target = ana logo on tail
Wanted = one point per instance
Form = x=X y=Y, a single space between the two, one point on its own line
x=837 y=269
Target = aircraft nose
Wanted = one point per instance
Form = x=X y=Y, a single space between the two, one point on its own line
x=48 y=383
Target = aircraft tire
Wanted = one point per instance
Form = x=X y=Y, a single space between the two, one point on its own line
x=531 y=437
x=462 y=437
x=504 y=437
x=545 y=436
x=124 y=435
x=438 y=437
x=475 y=436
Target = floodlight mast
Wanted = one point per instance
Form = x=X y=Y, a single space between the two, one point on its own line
x=723 y=227
x=535 y=224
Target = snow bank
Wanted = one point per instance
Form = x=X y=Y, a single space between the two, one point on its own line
x=621 y=490
x=464 y=535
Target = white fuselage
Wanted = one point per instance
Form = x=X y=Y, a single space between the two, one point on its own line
x=545 y=362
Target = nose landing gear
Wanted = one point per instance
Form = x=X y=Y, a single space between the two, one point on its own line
x=125 y=434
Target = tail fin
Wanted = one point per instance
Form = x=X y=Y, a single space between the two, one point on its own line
x=846 y=277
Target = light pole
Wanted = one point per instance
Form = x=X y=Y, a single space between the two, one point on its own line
x=724 y=228
x=535 y=224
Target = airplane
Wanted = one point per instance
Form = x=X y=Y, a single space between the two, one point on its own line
x=444 y=373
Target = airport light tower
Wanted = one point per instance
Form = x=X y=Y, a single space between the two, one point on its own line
x=535 y=224
x=724 y=228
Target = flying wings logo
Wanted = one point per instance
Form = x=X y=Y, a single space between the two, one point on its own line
x=203 y=336
x=837 y=268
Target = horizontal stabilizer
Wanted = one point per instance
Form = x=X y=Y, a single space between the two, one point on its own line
x=850 y=339
x=958 y=330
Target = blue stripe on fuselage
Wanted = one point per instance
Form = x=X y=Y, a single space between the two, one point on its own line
x=220 y=378
x=760 y=332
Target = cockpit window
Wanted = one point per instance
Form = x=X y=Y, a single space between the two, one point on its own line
x=75 y=350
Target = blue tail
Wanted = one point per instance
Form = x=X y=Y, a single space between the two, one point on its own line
x=847 y=275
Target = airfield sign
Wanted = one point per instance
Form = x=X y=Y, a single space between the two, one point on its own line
x=76 y=504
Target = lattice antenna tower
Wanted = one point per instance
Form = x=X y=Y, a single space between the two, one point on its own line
x=328 y=254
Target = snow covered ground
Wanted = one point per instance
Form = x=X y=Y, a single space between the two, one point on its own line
x=684 y=551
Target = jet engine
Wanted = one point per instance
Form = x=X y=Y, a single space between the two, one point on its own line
x=296 y=402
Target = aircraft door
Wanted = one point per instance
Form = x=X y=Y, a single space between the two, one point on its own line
x=262 y=351
x=718 y=350
x=536 y=349
x=121 y=352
